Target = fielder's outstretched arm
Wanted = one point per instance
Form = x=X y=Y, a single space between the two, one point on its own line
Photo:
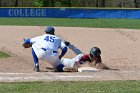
x=73 y=48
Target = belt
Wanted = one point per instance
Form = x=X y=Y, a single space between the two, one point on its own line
x=45 y=50
x=54 y=51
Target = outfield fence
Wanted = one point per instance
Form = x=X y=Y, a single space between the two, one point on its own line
x=69 y=13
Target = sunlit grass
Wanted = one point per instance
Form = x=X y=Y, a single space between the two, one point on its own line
x=72 y=87
x=73 y=22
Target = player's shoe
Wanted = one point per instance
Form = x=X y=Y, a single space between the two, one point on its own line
x=67 y=69
x=36 y=69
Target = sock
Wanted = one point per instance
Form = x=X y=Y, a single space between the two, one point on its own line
x=35 y=58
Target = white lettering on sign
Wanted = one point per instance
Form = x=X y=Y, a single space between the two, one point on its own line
x=27 y=12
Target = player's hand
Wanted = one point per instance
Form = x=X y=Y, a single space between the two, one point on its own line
x=67 y=43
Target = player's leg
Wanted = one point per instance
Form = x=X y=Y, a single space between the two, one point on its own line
x=68 y=64
x=36 y=64
x=71 y=65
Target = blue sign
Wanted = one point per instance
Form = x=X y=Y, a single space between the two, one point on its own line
x=22 y=12
x=68 y=13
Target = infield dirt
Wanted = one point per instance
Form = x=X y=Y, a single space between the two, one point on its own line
x=120 y=50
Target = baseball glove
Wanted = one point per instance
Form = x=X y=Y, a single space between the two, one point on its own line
x=27 y=45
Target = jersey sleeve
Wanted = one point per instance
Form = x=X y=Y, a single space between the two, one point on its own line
x=33 y=40
x=85 y=58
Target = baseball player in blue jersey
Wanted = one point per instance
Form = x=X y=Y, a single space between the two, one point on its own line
x=46 y=47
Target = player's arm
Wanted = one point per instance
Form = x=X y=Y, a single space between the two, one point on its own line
x=64 y=50
x=33 y=40
x=98 y=60
x=72 y=47
x=28 y=42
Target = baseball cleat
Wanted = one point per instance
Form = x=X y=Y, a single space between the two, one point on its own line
x=36 y=69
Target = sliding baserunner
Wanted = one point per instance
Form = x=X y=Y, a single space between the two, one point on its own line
x=93 y=58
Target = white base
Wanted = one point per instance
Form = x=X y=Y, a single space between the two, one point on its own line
x=87 y=69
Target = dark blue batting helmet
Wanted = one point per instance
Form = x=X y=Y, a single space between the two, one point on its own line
x=95 y=52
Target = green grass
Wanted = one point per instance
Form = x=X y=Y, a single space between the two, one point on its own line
x=72 y=87
x=99 y=23
x=3 y=55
